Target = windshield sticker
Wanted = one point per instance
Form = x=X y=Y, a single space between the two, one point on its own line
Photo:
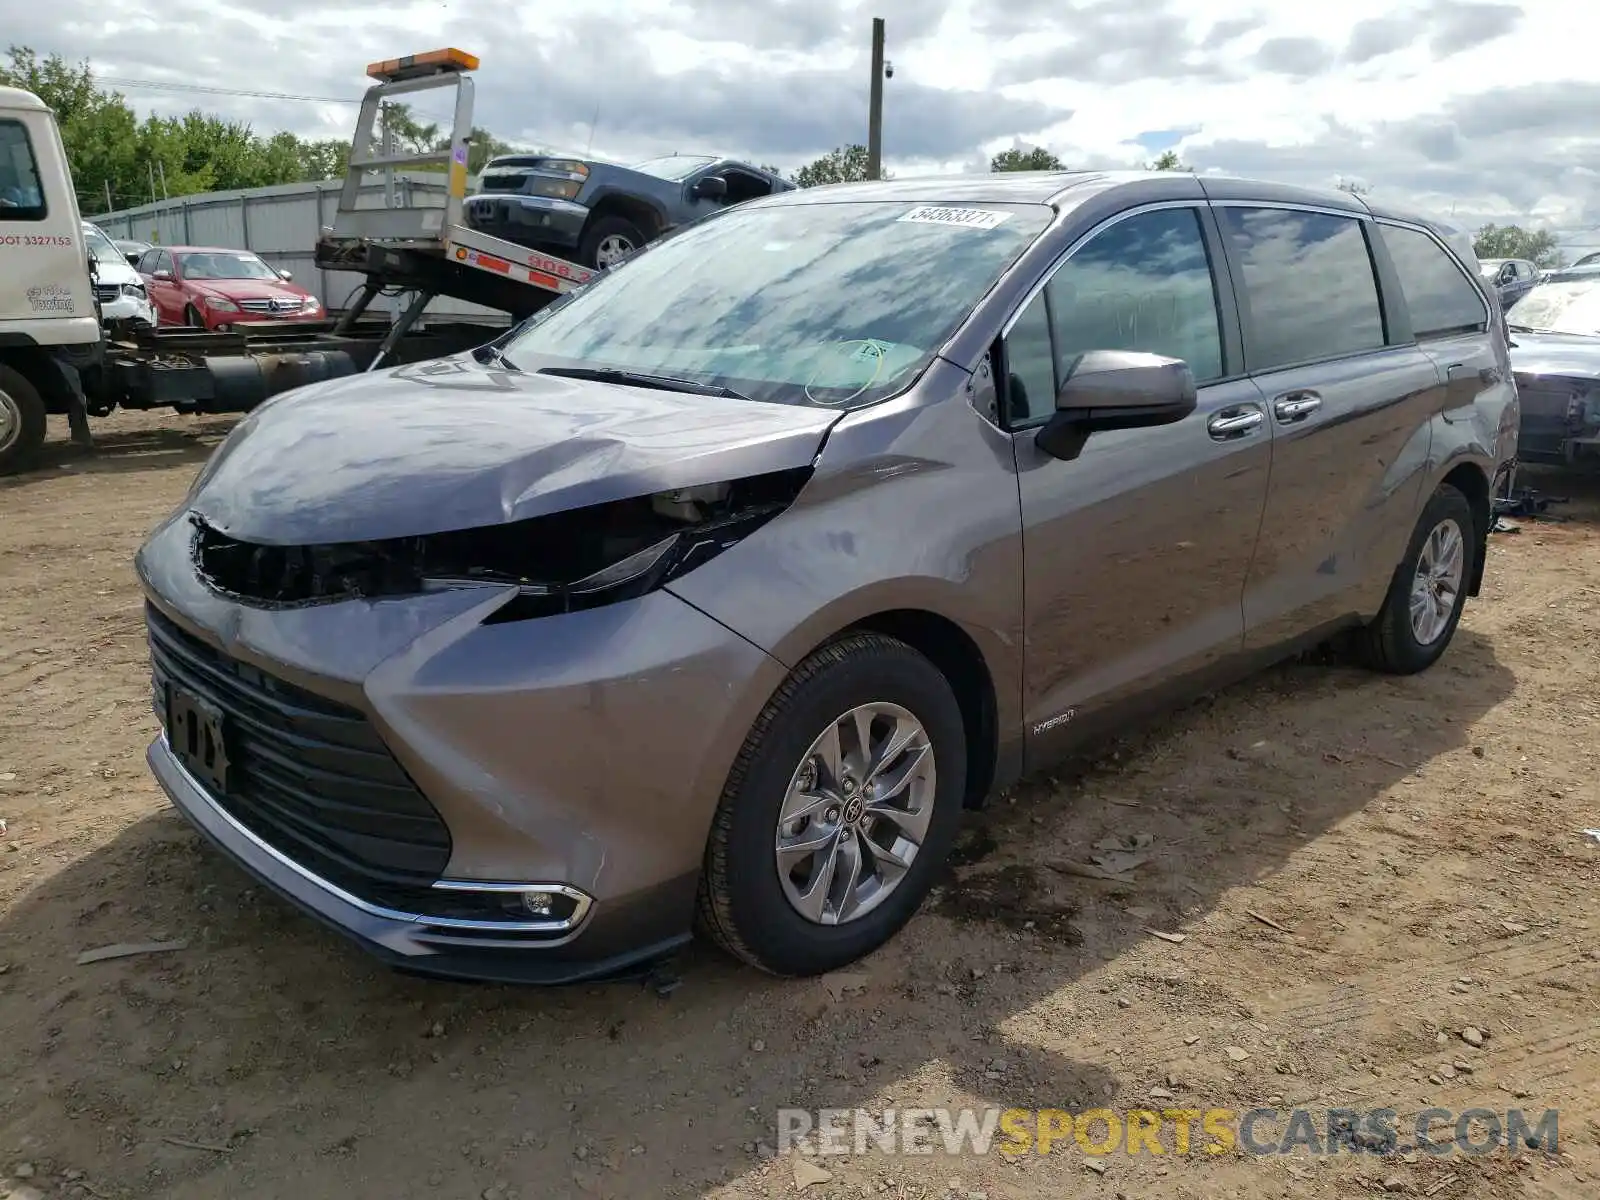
x=872 y=350
x=966 y=218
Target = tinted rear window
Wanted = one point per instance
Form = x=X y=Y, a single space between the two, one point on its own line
x=1441 y=298
x=1309 y=282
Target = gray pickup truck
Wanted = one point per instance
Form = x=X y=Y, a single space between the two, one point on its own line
x=602 y=212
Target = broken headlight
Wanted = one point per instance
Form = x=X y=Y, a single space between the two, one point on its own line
x=581 y=558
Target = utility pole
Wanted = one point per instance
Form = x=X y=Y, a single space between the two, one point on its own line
x=875 y=105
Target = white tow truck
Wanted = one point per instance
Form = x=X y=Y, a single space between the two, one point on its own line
x=57 y=355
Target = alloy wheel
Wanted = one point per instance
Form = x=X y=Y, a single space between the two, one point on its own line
x=855 y=814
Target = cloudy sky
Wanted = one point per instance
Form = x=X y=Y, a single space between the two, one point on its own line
x=1475 y=107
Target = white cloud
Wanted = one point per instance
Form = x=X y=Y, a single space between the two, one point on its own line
x=1462 y=106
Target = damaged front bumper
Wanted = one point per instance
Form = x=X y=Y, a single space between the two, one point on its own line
x=522 y=800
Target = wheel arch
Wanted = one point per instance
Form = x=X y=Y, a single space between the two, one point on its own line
x=641 y=212
x=1472 y=481
x=957 y=656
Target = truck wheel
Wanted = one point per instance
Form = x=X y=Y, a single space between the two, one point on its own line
x=1423 y=607
x=608 y=241
x=839 y=811
x=21 y=422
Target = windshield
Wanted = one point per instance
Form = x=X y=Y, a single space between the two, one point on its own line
x=222 y=264
x=674 y=166
x=101 y=247
x=1560 y=304
x=836 y=304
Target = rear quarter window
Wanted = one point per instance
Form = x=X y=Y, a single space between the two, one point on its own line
x=1309 y=283
x=1441 y=299
x=22 y=196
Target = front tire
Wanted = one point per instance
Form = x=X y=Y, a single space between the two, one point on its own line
x=839 y=810
x=192 y=317
x=609 y=240
x=22 y=422
x=1429 y=591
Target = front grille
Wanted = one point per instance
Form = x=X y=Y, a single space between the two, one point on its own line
x=308 y=776
x=107 y=292
x=273 y=307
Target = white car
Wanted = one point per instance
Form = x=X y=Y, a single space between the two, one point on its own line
x=117 y=286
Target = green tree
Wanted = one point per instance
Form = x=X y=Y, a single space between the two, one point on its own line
x=1168 y=161
x=1033 y=158
x=1538 y=246
x=115 y=155
x=845 y=164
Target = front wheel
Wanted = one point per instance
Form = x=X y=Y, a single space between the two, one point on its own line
x=22 y=422
x=839 y=810
x=1425 y=601
x=608 y=241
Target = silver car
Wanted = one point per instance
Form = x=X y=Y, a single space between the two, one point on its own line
x=710 y=596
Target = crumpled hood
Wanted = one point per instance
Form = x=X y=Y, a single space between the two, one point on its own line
x=1555 y=354
x=452 y=444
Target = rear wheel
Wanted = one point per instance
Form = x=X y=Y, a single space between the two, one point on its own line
x=839 y=810
x=609 y=240
x=1425 y=601
x=22 y=422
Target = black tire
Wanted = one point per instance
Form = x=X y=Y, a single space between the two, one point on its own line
x=192 y=317
x=602 y=228
x=742 y=906
x=1389 y=643
x=23 y=425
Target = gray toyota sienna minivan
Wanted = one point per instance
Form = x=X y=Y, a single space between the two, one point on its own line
x=712 y=594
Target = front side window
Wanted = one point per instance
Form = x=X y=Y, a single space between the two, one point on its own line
x=1309 y=282
x=1441 y=298
x=837 y=304
x=21 y=194
x=225 y=265
x=1142 y=284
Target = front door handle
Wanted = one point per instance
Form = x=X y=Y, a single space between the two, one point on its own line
x=1296 y=406
x=1229 y=423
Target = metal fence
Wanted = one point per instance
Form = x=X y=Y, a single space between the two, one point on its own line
x=282 y=225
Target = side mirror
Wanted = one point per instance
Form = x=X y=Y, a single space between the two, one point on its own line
x=1116 y=389
x=285 y=275
x=712 y=187
x=165 y=276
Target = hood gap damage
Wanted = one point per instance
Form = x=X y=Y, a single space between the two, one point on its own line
x=559 y=562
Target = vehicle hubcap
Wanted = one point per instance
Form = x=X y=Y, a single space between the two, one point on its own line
x=612 y=250
x=1436 y=586
x=855 y=814
x=10 y=421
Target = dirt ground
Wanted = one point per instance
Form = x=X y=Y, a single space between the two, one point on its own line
x=1360 y=867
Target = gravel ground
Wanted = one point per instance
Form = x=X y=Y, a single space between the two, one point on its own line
x=1360 y=869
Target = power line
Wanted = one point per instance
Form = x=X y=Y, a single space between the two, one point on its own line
x=152 y=85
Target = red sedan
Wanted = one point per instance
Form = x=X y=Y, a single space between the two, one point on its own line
x=216 y=289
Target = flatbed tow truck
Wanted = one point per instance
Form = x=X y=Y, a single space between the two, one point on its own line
x=54 y=366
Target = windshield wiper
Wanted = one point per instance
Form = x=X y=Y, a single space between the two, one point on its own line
x=661 y=383
x=492 y=355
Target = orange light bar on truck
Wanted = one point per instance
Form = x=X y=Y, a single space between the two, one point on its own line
x=433 y=62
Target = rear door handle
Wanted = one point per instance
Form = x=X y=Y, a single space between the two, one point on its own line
x=1296 y=406
x=1229 y=423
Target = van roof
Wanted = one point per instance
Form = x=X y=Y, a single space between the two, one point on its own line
x=11 y=97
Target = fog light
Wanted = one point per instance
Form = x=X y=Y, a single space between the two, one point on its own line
x=540 y=904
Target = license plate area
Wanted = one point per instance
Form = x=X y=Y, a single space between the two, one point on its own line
x=195 y=732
